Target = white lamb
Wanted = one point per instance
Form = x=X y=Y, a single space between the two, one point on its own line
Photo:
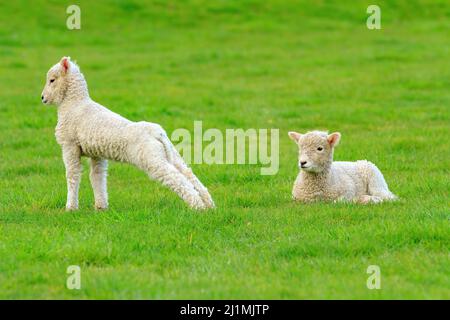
x=86 y=128
x=322 y=179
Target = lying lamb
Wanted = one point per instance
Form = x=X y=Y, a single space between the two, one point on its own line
x=86 y=128
x=322 y=179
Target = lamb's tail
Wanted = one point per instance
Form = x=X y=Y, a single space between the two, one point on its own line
x=174 y=157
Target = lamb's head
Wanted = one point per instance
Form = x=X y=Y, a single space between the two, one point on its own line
x=64 y=80
x=315 y=149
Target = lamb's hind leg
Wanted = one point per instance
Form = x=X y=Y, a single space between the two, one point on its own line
x=377 y=186
x=175 y=158
x=150 y=156
x=156 y=155
x=187 y=172
x=169 y=176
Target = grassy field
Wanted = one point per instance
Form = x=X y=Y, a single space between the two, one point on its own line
x=292 y=65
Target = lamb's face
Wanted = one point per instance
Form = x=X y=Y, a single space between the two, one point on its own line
x=56 y=83
x=315 y=149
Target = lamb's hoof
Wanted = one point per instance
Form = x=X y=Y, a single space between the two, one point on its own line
x=198 y=205
x=101 y=207
x=376 y=199
x=210 y=204
x=364 y=199
x=71 y=208
x=392 y=197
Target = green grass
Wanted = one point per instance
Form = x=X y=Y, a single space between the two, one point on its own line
x=292 y=65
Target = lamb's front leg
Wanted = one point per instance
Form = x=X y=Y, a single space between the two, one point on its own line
x=72 y=161
x=97 y=176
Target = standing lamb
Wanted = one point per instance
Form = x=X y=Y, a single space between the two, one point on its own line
x=322 y=179
x=86 y=128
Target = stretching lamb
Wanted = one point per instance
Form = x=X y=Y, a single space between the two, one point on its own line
x=86 y=128
x=322 y=179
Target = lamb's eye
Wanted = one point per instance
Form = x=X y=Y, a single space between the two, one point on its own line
x=53 y=80
x=319 y=148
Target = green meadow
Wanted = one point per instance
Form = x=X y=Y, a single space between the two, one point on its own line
x=287 y=65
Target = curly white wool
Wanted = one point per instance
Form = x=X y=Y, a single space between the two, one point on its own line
x=86 y=128
x=322 y=179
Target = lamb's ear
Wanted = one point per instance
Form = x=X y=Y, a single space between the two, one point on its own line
x=294 y=135
x=334 y=138
x=65 y=64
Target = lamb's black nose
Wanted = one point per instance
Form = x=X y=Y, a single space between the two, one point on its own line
x=42 y=97
x=302 y=163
